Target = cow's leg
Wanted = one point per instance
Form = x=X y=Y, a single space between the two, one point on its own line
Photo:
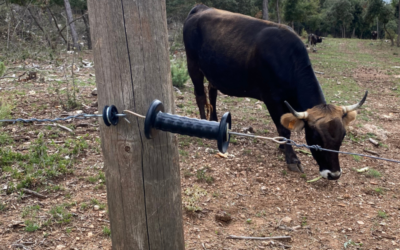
x=198 y=81
x=212 y=95
x=276 y=111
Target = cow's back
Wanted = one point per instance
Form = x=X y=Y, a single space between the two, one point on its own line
x=234 y=51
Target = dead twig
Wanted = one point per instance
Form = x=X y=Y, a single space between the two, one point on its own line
x=317 y=72
x=56 y=125
x=284 y=246
x=371 y=152
x=259 y=238
x=18 y=246
x=28 y=191
x=63 y=127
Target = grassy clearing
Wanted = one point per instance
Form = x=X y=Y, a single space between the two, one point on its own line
x=43 y=161
x=340 y=57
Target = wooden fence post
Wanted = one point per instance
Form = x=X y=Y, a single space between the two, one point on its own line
x=130 y=48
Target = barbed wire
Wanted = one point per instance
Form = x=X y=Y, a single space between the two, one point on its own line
x=278 y=140
x=318 y=148
x=78 y=116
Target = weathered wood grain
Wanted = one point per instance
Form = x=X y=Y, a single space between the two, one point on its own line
x=131 y=58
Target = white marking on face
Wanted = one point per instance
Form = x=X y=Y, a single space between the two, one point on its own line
x=324 y=173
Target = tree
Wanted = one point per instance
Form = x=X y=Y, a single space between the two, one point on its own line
x=386 y=15
x=71 y=24
x=397 y=15
x=340 y=13
x=265 y=10
x=291 y=11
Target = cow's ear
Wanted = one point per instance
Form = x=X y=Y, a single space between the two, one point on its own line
x=292 y=123
x=350 y=116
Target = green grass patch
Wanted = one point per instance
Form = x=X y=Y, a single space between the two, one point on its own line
x=60 y=214
x=106 y=231
x=382 y=214
x=374 y=173
x=202 y=176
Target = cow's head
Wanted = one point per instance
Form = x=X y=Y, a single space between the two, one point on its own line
x=325 y=125
x=319 y=39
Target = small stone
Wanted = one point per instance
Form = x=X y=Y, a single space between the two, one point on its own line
x=248 y=129
x=287 y=219
x=96 y=207
x=223 y=216
x=94 y=92
x=266 y=243
x=60 y=247
x=260 y=179
x=263 y=188
x=91 y=226
x=77 y=238
x=242 y=216
x=90 y=234
x=360 y=222
x=376 y=143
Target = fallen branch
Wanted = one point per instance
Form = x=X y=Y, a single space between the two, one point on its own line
x=259 y=238
x=28 y=191
x=284 y=246
x=19 y=246
x=63 y=127
x=319 y=72
x=371 y=152
x=56 y=125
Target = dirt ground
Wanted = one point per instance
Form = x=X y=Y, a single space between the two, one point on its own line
x=252 y=185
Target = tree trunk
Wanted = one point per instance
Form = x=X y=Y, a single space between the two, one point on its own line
x=398 y=29
x=71 y=24
x=354 y=33
x=130 y=48
x=344 y=31
x=265 y=9
x=58 y=28
x=377 y=28
x=86 y=21
x=277 y=11
x=390 y=36
x=40 y=27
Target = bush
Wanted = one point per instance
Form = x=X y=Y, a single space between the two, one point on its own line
x=5 y=110
x=179 y=73
x=304 y=33
x=2 y=69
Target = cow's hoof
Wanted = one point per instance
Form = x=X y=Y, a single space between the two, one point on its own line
x=295 y=167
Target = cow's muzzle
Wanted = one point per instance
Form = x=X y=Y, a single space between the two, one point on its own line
x=327 y=174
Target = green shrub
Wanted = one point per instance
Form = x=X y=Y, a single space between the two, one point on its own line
x=2 y=69
x=179 y=73
x=304 y=33
x=5 y=109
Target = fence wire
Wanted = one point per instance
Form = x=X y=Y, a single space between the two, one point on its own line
x=287 y=141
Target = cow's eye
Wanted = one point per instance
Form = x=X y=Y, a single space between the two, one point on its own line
x=343 y=116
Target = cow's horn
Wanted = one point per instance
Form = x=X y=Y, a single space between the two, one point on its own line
x=300 y=115
x=347 y=109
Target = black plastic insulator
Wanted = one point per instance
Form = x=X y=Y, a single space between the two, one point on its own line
x=110 y=115
x=156 y=119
